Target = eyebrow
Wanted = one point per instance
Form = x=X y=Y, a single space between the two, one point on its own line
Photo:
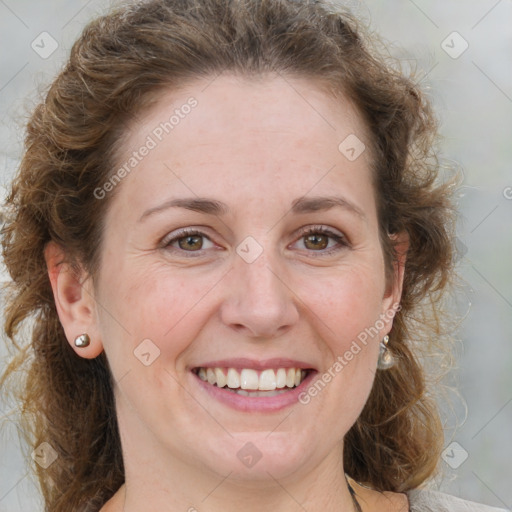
x=313 y=204
x=300 y=205
x=196 y=204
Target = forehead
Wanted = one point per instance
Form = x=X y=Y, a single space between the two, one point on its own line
x=279 y=134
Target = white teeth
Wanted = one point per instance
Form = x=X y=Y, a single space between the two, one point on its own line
x=258 y=393
x=233 y=379
x=221 y=378
x=248 y=379
x=281 y=378
x=268 y=380
x=290 y=378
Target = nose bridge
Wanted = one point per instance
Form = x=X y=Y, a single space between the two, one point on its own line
x=259 y=299
x=263 y=280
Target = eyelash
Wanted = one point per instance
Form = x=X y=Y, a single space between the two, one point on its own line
x=340 y=239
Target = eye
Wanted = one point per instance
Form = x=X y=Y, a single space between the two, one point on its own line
x=319 y=238
x=186 y=240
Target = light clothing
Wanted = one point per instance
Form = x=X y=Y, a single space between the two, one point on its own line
x=423 y=500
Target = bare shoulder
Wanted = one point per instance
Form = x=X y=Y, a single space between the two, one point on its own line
x=391 y=502
x=373 y=500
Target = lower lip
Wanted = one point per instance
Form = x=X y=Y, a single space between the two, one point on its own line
x=256 y=403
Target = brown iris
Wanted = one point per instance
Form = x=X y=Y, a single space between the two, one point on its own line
x=194 y=242
x=318 y=241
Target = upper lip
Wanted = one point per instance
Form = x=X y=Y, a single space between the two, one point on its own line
x=242 y=362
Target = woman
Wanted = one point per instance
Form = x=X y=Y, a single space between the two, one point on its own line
x=225 y=227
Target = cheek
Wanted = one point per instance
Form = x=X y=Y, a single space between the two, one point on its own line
x=157 y=304
x=347 y=302
x=153 y=312
x=347 y=308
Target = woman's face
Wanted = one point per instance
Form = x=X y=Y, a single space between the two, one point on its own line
x=279 y=273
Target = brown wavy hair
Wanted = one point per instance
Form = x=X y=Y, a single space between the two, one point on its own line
x=116 y=68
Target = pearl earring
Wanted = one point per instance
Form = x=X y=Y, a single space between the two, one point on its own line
x=82 y=341
x=386 y=359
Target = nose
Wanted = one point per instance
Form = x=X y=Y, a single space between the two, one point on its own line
x=260 y=302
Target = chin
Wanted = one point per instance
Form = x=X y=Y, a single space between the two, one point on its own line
x=256 y=457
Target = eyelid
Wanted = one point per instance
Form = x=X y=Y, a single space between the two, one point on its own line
x=339 y=237
x=320 y=228
x=165 y=242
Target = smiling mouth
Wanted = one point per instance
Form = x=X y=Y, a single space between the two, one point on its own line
x=254 y=383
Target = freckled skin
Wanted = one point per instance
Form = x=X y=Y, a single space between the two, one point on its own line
x=256 y=147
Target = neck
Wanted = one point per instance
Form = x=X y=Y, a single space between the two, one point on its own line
x=181 y=486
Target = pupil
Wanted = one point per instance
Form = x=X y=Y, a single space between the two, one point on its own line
x=189 y=242
x=319 y=241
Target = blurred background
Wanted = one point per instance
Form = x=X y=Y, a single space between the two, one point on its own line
x=463 y=55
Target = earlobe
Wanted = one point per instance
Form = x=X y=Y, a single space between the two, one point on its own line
x=74 y=300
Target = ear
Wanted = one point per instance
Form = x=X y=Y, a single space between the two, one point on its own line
x=393 y=293
x=74 y=299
